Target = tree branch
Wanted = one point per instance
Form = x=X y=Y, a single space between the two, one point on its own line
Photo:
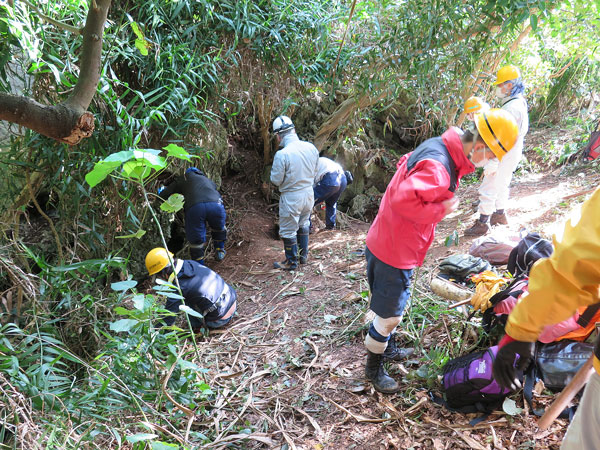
x=69 y=121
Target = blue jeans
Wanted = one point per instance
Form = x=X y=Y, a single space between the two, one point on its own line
x=328 y=190
x=198 y=215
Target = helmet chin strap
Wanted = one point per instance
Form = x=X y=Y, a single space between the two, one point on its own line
x=475 y=136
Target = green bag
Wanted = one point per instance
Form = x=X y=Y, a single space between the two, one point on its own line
x=462 y=266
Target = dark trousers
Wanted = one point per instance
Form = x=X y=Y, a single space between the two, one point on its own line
x=328 y=190
x=198 y=215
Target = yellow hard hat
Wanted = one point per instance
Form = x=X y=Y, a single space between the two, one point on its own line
x=157 y=259
x=498 y=128
x=507 y=73
x=475 y=104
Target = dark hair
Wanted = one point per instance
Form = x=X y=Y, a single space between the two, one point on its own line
x=468 y=136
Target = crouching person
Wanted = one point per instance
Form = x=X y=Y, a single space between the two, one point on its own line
x=420 y=195
x=202 y=288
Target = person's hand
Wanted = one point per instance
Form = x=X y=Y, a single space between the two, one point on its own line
x=505 y=369
x=450 y=205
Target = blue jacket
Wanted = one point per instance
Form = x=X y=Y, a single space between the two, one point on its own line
x=204 y=290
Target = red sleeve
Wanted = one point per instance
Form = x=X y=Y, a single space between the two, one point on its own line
x=420 y=195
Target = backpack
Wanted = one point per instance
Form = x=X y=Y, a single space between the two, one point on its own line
x=503 y=303
x=468 y=383
x=493 y=249
x=592 y=149
x=529 y=249
x=461 y=266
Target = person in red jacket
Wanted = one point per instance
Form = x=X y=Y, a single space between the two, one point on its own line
x=420 y=195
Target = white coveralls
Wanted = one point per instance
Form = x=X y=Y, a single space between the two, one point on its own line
x=293 y=171
x=497 y=175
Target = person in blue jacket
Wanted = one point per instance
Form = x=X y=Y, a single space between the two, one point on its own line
x=203 y=289
x=330 y=183
x=203 y=204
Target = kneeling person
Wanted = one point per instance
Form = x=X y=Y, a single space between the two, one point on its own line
x=203 y=289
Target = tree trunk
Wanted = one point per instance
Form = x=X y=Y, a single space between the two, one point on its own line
x=69 y=121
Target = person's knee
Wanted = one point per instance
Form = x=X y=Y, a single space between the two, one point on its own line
x=379 y=333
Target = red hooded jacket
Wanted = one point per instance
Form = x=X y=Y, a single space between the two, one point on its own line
x=412 y=206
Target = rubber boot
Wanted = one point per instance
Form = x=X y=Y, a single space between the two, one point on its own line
x=197 y=252
x=220 y=250
x=290 y=247
x=302 y=237
x=377 y=375
x=395 y=353
x=219 y=237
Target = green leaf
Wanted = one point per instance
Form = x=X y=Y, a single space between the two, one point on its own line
x=150 y=158
x=163 y=446
x=510 y=407
x=186 y=309
x=139 y=301
x=142 y=45
x=123 y=325
x=105 y=167
x=138 y=234
x=178 y=152
x=173 y=204
x=141 y=437
x=123 y=285
x=123 y=311
x=136 y=29
x=533 y=20
x=136 y=169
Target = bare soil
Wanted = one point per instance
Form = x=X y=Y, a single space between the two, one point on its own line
x=289 y=369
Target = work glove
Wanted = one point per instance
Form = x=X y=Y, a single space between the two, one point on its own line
x=160 y=189
x=505 y=370
x=480 y=302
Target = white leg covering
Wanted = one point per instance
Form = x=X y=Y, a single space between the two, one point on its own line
x=383 y=327
x=504 y=174
x=584 y=431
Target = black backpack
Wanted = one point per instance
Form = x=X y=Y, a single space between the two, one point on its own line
x=529 y=249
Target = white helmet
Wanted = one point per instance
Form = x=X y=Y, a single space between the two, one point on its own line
x=281 y=124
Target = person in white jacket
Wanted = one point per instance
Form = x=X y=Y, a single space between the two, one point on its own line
x=294 y=169
x=494 y=189
x=330 y=183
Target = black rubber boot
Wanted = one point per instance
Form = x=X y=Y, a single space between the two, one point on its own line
x=376 y=373
x=395 y=353
x=219 y=237
x=290 y=247
x=302 y=237
x=197 y=252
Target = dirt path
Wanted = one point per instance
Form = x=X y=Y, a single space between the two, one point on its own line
x=290 y=367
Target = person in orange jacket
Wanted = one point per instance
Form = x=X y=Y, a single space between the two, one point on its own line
x=558 y=285
x=420 y=194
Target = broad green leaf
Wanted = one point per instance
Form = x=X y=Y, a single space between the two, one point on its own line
x=138 y=234
x=136 y=169
x=173 y=204
x=123 y=325
x=178 y=152
x=100 y=171
x=139 y=301
x=150 y=158
x=141 y=437
x=510 y=407
x=186 y=309
x=123 y=285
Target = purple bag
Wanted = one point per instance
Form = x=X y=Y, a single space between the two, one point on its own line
x=469 y=385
